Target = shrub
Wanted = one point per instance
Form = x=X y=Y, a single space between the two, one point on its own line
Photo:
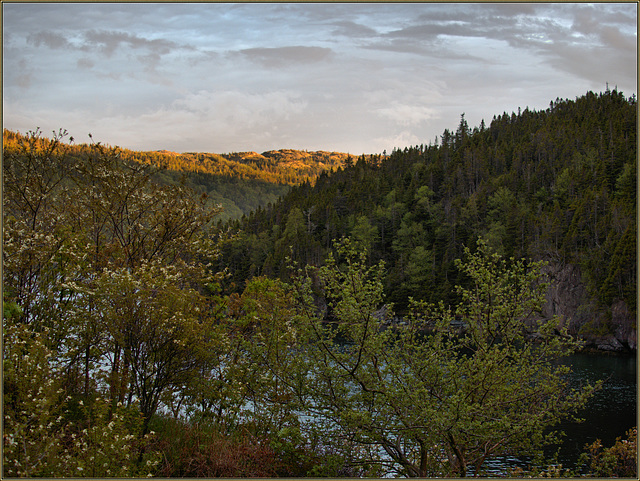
x=199 y=451
x=620 y=460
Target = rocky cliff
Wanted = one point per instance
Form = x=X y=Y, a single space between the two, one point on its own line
x=613 y=329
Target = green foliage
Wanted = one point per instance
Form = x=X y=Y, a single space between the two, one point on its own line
x=424 y=399
x=594 y=328
x=265 y=317
x=626 y=182
x=364 y=233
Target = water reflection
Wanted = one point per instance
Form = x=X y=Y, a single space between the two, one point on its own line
x=611 y=412
x=608 y=415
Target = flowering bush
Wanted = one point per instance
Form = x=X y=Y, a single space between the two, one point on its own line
x=32 y=411
x=45 y=436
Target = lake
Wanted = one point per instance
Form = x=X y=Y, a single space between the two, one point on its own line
x=608 y=415
x=611 y=412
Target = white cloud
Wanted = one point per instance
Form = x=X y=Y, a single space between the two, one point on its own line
x=399 y=140
x=290 y=56
x=235 y=109
x=404 y=114
x=85 y=63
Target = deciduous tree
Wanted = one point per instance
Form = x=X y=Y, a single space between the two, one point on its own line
x=429 y=399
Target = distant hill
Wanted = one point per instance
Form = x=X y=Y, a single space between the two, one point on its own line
x=241 y=182
x=297 y=164
x=284 y=167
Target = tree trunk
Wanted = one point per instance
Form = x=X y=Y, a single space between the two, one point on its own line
x=459 y=463
x=87 y=354
x=114 y=378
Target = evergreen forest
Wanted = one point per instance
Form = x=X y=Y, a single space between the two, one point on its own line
x=373 y=316
x=557 y=185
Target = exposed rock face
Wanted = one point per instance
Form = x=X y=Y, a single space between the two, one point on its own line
x=624 y=324
x=567 y=298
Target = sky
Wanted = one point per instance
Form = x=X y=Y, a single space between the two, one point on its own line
x=347 y=77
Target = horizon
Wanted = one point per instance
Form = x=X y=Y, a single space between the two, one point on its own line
x=352 y=78
x=70 y=139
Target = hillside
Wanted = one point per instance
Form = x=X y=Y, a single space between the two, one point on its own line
x=289 y=166
x=557 y=185
x=283 y=167
x=240 y=182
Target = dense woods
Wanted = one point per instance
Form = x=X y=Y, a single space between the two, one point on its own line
x=385 y=316
x=556 y=185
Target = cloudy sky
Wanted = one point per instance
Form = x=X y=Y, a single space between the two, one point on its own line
x=358 y=78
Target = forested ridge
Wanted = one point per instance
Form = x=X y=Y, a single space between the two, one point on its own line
x=285 y=166
x=240 y=182
x=144 y=335
x=557 y=185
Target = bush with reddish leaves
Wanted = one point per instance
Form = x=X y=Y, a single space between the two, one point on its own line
x=618 y=461
x=199 y=451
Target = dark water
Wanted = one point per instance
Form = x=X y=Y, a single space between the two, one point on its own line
x=611 y=412
x=608 y=415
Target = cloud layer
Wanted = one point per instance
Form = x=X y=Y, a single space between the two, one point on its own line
x=350 y=77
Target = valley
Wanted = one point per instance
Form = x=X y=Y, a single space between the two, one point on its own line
x=302 y=314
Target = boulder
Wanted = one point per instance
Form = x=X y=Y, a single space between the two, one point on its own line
x=608 y=343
